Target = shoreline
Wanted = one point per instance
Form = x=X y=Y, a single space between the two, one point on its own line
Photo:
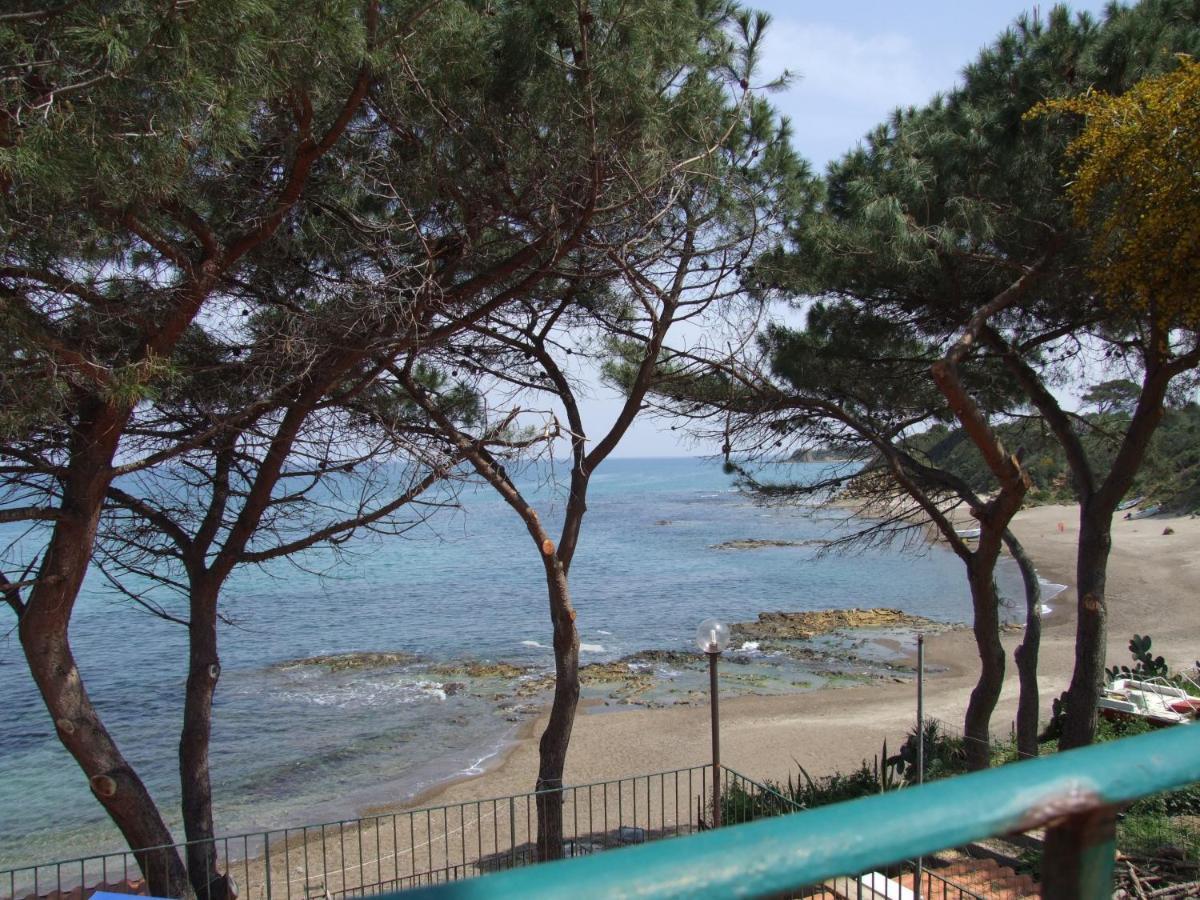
x=1151 y=578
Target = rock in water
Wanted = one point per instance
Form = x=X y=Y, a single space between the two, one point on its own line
x=757 y=544
x=805 y=625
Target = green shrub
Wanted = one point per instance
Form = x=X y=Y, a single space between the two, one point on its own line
x=944 y=754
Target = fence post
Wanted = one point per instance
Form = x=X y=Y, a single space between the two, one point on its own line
x=267 y=864
x=1078 y=857
x=920 y=742
x=512 y=832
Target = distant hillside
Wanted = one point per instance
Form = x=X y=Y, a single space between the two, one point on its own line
x=1170 y=474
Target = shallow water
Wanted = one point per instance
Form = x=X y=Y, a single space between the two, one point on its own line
x=295 y=744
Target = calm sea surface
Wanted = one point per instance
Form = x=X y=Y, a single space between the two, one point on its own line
x=296 y=744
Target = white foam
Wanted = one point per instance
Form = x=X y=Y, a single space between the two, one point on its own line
x=477 y=767
x=591 y=648
x=747 y=647
x=602 y=631
x=369 y=694
x=534 y=644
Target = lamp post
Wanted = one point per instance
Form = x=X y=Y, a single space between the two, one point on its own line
x=712 y=637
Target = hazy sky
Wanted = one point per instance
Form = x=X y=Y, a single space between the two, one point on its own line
x=853 y=62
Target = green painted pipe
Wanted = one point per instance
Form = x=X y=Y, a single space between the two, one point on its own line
x=775 y=855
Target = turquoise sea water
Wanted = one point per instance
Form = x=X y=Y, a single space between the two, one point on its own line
x=295 y=744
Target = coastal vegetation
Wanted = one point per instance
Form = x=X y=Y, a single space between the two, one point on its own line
x=1168 y=478
x=958 y=278
x=949 y=282
x=277 y=273
x=687 y=221
x=213 y=309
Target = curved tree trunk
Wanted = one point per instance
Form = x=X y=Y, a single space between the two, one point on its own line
x=552 y=749
x=986 y=693
x=1026 y=654
x=44 y=633
x=204 y=668
x=1091 y=630
x=113 y=781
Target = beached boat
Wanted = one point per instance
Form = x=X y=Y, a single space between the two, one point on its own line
x=969 y=534
x=1154 y=700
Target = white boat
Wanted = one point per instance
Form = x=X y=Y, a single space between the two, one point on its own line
x=969 y=534
x=1154 y=700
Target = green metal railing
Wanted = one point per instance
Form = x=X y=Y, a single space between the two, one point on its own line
x=1077 y=791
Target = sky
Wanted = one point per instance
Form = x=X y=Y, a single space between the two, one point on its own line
x=853 y=62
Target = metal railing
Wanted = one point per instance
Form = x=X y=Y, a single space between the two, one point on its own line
x=393 y=852
x=744 y=800
x=1079 y=791
x=769 y=848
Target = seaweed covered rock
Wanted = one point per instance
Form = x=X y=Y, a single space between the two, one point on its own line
x=805 y=625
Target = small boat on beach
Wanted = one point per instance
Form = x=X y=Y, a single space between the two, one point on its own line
x=969 y=534
x=1155 y=700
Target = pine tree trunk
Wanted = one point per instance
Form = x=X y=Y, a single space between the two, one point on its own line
x=204 y=668
x=986 y=693
x=552 y=748
x=113 y=781
x=44 y=634
x=1091 y=630
x=1026 y=654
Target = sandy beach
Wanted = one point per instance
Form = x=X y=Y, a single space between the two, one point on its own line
x=1153 y=587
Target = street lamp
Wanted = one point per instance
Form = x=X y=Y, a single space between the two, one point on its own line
x=712 y=637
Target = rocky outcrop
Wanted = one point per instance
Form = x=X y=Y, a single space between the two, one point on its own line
x=364 y=659
x=759 y=544
x=801 y=626
x=476 y=669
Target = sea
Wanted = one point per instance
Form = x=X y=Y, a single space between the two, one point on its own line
x=298 y=741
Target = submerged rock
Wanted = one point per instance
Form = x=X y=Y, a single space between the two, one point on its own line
x=478 y=669
x=758 y=544
x=362 y=659
x=805 y=625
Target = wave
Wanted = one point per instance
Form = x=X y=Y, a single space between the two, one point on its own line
x=367 y=694
x=591 y=648
x=477 y=767
x=534 y=644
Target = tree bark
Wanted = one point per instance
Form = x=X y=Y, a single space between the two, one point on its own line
x=44 y=634
x=552 y=749
x=986 y=693
x=1026 y=654
x=204 y=669
x=1091 y=629
x=113 y=781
